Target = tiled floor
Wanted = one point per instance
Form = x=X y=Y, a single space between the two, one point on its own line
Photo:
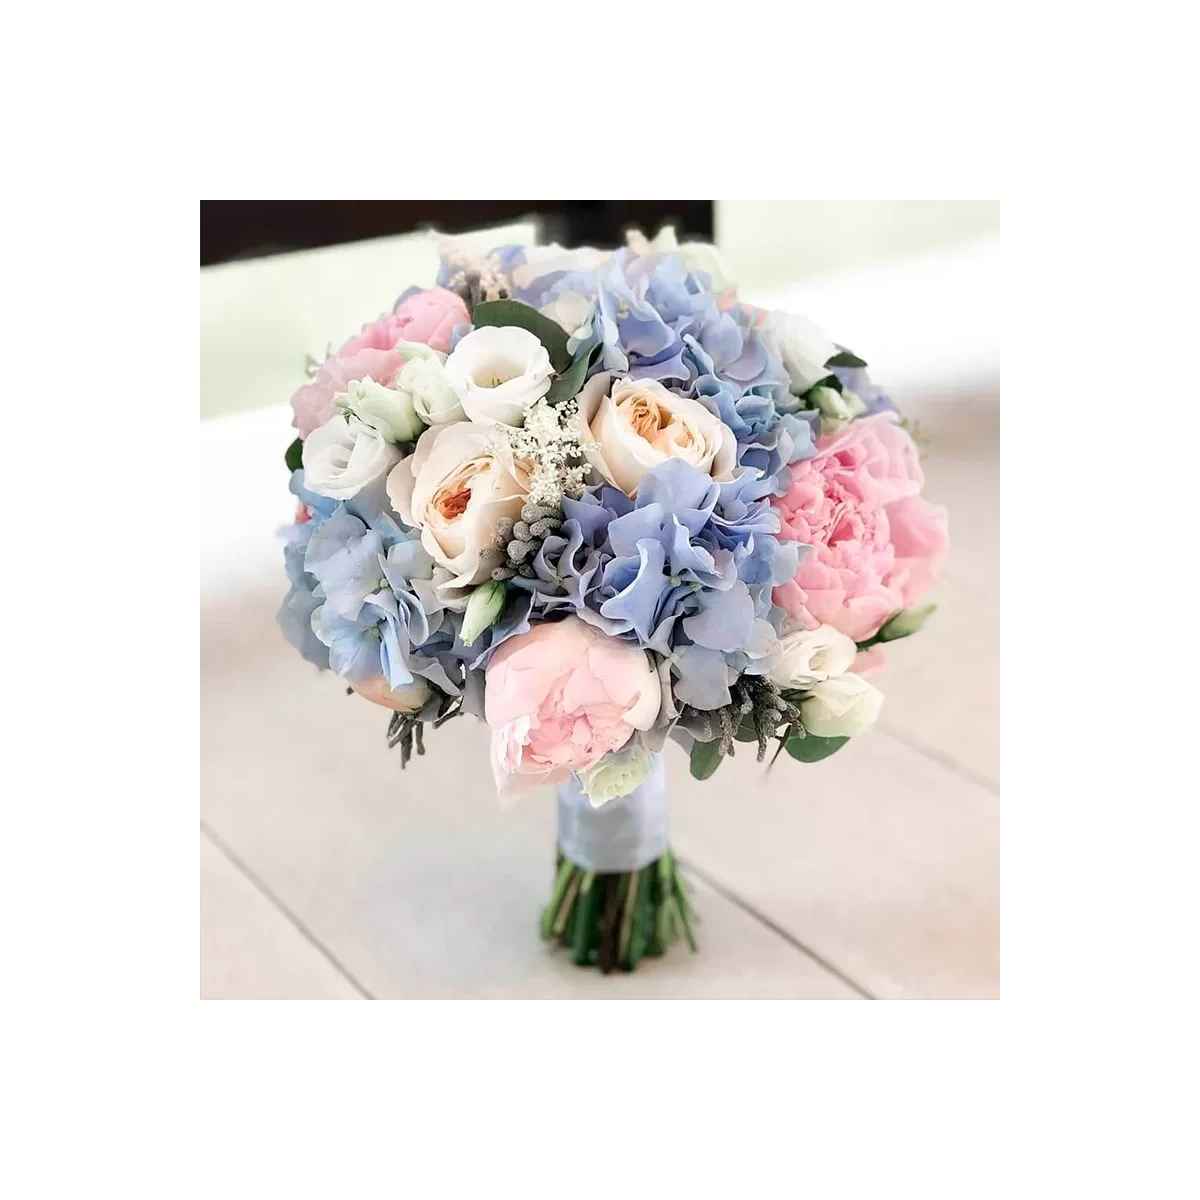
x=327 y=873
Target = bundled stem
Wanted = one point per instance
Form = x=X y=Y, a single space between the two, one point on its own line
x=613 y=920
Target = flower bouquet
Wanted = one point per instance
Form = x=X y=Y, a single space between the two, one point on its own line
x=597 y=501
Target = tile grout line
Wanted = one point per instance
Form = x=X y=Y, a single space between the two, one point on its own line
x=282 y=908
x=762 y=919
x=938 y=756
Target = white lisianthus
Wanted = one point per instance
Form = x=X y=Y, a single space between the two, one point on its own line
x=574 y=314
x=497 y=371
x=615 y=775
x=800 y=346
x=841 y=707
x=423 y=379
x=407 y=698
x=642 y=424
x=344 y=455
x=810 y=656
x=383 y=408
x=454 y=488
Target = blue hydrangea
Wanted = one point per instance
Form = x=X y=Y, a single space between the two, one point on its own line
x=686 y=570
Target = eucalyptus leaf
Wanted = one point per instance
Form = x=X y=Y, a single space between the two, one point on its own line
x=294 y=455
x=706 y=758
x=512 y=312
x=843 y=358
x=568 y=384
x=746 y=732
x=810 y=749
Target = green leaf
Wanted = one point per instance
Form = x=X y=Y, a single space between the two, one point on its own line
x=812 y=749
x=293 y=455
x=568 y=384
x=844 y=358
x=746 y=732
x=512 y=312
x=706 y=758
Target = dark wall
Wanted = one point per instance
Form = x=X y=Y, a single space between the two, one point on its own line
x=231 y=229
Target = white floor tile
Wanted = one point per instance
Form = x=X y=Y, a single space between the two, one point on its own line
x=883 y=862
x=249 y=950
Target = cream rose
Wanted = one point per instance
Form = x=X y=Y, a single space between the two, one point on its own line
x=345 y=454
x=641 y=424
x=498 y=371
x=810 y=656
x=455 y=488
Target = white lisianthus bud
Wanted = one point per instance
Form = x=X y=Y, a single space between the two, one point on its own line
x=615 y=775
x=842 y=707
x=810 y=656
x=906 y=622
x=483 y=609
x=344 y=455
x=383 y=408
x=423 y=379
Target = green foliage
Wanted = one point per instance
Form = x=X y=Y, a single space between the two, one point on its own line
x=810 y=749
x=293 y=455
x=513 y=312
x=706 y=758
x=568 y=384
x=845 y=359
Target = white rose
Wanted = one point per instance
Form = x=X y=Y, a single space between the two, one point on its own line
x=455 y=487
x=641 y=424
x=407 y=698
x=344 y=455
x=423 y=379
x=497 y=371
x=841 y=707
x=810 y=656
x=385 y=409
x=800 y=346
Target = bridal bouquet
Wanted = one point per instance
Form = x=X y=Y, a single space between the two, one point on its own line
x=597 y=501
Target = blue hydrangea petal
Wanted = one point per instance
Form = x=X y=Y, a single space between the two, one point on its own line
x=724 y=620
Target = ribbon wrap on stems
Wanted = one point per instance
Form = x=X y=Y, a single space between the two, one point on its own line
x=622 y=835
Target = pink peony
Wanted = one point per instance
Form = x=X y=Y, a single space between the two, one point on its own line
x=312 y=405
x=428 y=317
x=560 y=697
x=878 y=544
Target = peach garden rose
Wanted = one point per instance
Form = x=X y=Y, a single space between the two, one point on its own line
x=639 y=424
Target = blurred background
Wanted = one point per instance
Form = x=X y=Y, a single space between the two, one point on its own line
x=326 y=873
